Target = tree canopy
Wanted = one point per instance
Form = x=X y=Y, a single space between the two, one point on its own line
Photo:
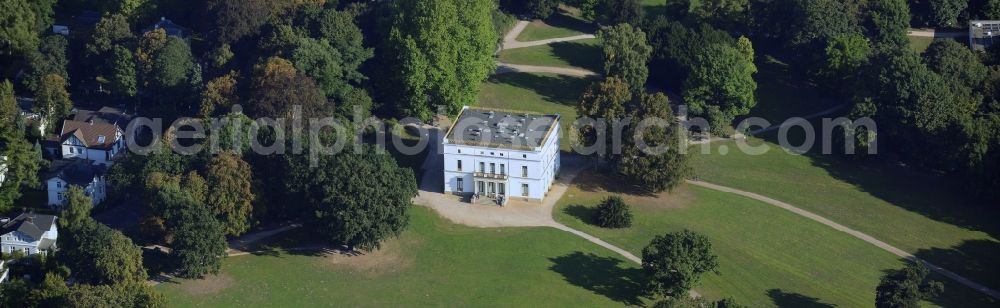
x=906 y=287
x=626 y=55
x=721 y=85
x=231 y=192
x=676 y=261
x=98 y=254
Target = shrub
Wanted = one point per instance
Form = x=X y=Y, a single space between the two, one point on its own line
x=614 y=213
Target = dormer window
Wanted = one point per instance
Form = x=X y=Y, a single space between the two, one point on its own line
x=101 y=138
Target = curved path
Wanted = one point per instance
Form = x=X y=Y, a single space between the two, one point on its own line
x=855 y=233
x=510 y=42
x=937 y=34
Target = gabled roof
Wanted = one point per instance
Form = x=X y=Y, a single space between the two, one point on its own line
x=31 y=224
x=107 y=115
x=78 y=172
x=90 y=133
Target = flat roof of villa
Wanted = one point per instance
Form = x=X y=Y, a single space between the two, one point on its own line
x=983 y=33
x=502 y=128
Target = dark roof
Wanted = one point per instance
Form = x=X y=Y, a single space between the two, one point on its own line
x=78 y=172
x=502 y=129
x=983 y=33
x=107 y=115
x=168 y=26
x=34 y=225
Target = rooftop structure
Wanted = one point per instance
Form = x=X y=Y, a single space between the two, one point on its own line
x=501 y=129
x=983 y=33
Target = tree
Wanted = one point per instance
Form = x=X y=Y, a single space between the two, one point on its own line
x=676 y=261
x=220 y=94
x=172 y=64
x=944 y=13
x=14 y=293
x=340 y=30
x=626 y=55
x=50 y=293
x=18 y=27
x=537 y=9
x=319 y=60
x=52 y=100
x=277 y=87
x=123 y=73
x=815 y=22
x=656 y=164
x=76 y=211
x=603 y=101
x=115 y=295
x=992 y=9
x=23 y=162
x=960 y=68
x=436 y=53
x=362 y=199
x=614 y=213
x=721 y=85
x=199 y=240
x=890 y=25
x=50 y=58
x=231 y=20
x=846 y=54
x=145 y=54
x=906 y=287
x=9 y=110
x=111 y=30
x=98 y=254
x=231 y=193
x=613 y=12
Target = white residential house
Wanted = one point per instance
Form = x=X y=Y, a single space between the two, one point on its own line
x=94 y=135
x=29 y=233
x=3 y=169
x=492 y=156
x=78 y=172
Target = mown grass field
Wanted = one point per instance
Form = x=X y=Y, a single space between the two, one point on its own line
x=582 y=54
x=433 y=263
x=559 y=25
x=768 y=256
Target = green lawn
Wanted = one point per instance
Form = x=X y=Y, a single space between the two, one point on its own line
x=768 y=256
x=919 y=43
x=433 y=263
x=583 y=54
x=924 y=214
x=559 y=25
x=543 y=93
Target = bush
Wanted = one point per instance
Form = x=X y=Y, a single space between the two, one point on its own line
x=614 y=213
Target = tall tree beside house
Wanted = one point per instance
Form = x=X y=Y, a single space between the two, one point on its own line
x=890 y=23
x=123 y=73
x=675 y=262
x=656 y=164
x=945 y=13
x=52 y=100
x=626 y=54
x=721 y=85
x=22 y=166
x=906 y=287
x=111 y=30
x=8 y=105
x=76 y=212
x=114 y=295
x=435 y=53
x=231 y=194
x=362 y=199
x=49 y=293
x=97 y=254
x=603 y=101
x=145 y=54
x=18 y=27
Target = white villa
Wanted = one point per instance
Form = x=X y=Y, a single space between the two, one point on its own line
x=29 y=233
x=78 y=172
x=491 y=155
x=94 y=135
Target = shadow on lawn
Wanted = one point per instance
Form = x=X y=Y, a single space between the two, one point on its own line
x=563 y=90
x=583 y=213
x=788 y=299
x=596 y=181
x=602 y=275
x=975 y=260
x=579 y=54
x=569 y=22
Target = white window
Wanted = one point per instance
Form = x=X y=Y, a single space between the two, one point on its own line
x=524 y=171
x=493 y=168
x=461 y=185
x=459 y=165
x=482 y=167
x=524 y=190
x=503 y=169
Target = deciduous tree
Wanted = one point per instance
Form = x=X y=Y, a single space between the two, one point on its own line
x=18 y=27
x=906 y=288
x=721 y=85
x=277 y=87
x=626 y=55
x=676 y=261
x=100 y=255
x=50 y=58
x=52 y=100
x=231 y=194
x=76 y=212
x=220 y=95
x=199 y=240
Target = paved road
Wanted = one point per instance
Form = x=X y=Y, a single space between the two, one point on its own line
x=858 y=234
x=506 y=68
x=937 y=34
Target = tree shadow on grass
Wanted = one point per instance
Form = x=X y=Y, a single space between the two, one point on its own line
x=579 y=54
x=593 y=181
x=563 y=90
x=974 y=259
x=602 y=275
x=789 y=299
x=569 y=22
x=583 y=213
